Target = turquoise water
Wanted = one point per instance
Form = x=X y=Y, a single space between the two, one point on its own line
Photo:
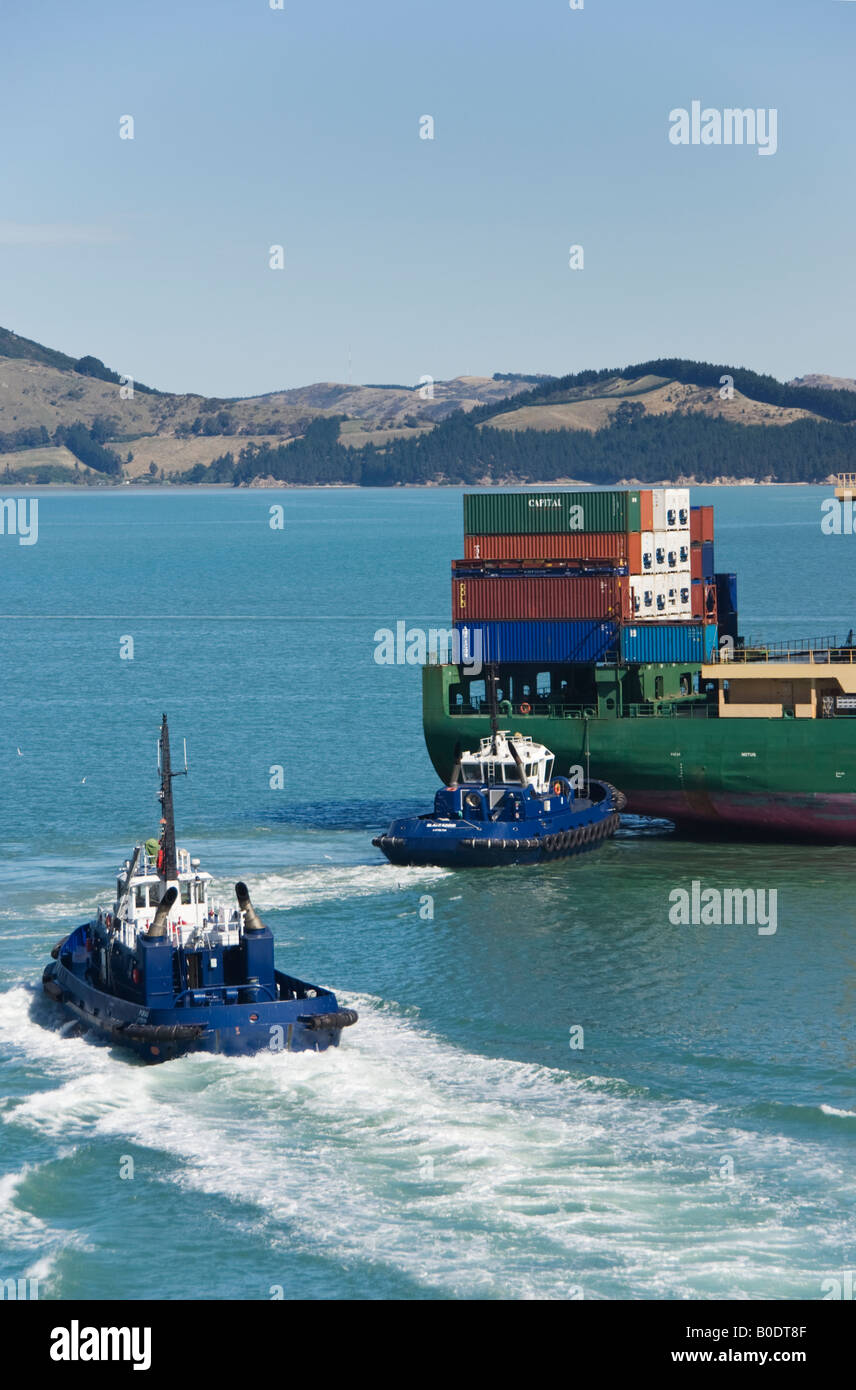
x=455 y=1146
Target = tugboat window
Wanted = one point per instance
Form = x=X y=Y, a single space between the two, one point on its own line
x=186 y=891
x=140 y=895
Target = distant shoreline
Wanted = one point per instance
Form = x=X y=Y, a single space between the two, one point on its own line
x=270 y=486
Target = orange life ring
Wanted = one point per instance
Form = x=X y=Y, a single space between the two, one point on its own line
x=524 y=708
x=558 y=788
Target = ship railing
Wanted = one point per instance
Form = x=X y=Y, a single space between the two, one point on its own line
x=671 y=709
x=543 y=709
x=812 y=651
x=687 y=708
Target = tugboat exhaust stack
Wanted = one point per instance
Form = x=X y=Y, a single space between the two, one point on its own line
x=158 y=927
x=252 y=921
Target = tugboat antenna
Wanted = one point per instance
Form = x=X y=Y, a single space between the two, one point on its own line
x=169 y=864
x=491 y=678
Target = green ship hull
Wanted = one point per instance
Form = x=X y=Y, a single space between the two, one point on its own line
x=678 y=759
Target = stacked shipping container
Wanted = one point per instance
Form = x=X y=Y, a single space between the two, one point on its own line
x=571 y=576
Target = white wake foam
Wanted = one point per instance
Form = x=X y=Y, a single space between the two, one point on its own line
x=469 y=1175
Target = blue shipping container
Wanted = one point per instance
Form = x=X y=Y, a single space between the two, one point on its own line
x=586 y=640
x=665 y=642
x=726 y=594
x=707 y=561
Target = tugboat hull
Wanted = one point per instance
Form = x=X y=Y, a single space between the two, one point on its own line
x=419 y=842
x=235 y=1030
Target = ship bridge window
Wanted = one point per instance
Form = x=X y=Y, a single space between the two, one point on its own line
x=199 y=896
x=471 y=772
x=186 y=890
x=140 y=895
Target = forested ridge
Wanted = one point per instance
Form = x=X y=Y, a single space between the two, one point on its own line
x=468 y=447
x=465 y=448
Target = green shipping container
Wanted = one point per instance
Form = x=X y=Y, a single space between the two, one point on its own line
x=525 y=513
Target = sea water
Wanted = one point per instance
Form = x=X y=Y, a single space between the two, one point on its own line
x=552 y=1090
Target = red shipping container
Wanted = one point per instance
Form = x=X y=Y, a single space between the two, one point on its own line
x=557 y=598
x=646 y=510
x=634 y=552
x=704 y=601
x=563 y=545
x=701 y=524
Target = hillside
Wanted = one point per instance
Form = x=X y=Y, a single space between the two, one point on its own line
x=827 y=383
x=42 y=390
x=64 y=419
x=594 y=410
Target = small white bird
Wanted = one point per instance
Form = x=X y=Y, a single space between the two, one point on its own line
x=83 y=781
x=20 y=754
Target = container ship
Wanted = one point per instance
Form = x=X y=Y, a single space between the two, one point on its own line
x=615 y=642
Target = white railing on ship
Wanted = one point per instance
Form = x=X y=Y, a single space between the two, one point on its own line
x=762 y=655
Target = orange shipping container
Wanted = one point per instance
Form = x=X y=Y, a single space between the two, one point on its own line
x=704 y=601
x=557 y=598
x=634 y=551
x=561 y=545
x=701 y=524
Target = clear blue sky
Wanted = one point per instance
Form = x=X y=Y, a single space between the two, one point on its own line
x=446 y=257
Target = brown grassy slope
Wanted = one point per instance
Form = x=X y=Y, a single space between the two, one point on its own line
x=593 y=412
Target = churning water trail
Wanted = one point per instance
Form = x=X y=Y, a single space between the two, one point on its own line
x=470 y=1176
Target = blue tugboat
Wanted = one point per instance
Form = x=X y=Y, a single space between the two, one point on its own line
x=504 y=806
x=167 y=970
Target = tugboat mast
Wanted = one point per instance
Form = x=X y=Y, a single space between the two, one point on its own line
x=169 y=855
x=491 y=679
